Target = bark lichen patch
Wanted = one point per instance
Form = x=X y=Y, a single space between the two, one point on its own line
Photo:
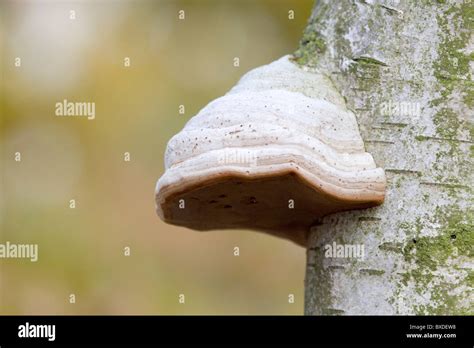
x=312 y=45
x=428 y=256
x=452 y=69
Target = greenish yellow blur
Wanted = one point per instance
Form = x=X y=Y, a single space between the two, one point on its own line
x=77 y=51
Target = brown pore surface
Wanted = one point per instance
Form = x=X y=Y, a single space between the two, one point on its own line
x=261 y=204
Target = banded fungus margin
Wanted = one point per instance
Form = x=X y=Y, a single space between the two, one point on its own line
x=272 y=155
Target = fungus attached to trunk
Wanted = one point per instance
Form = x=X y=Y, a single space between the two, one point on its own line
x=272 y=155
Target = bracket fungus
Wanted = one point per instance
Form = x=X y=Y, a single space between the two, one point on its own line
x=276 y=153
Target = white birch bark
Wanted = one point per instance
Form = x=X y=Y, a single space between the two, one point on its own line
x=418 y=244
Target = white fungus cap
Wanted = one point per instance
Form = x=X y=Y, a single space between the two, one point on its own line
x=276 y=153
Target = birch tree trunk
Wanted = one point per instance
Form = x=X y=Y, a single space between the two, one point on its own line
x=405 y=68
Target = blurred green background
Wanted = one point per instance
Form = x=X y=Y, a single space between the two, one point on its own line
x=173 y=62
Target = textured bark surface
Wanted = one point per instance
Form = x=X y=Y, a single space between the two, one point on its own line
x=418 y=244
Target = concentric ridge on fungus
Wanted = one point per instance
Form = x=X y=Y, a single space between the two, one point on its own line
x=272 y=155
